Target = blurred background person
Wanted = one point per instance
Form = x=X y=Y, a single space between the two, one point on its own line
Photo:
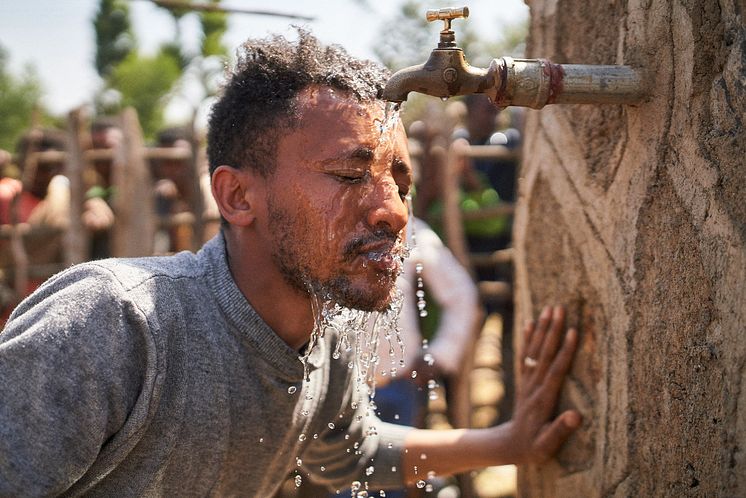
x=98 y=216
x=175 y=194
x=40 y=200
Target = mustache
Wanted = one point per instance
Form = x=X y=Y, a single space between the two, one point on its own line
x=380 y=236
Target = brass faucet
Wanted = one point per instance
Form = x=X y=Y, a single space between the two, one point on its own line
x=507 y=81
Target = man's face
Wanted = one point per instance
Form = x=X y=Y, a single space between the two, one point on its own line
x=335 y=203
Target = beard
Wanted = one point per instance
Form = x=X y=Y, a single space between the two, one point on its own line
x=295 y=241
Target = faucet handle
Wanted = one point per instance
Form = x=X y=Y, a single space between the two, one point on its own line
x=446 y=15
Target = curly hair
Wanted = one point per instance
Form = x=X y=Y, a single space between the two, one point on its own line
x=258 y=99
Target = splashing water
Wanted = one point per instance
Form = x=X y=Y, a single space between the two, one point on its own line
x=421 y=303
x=390 y=117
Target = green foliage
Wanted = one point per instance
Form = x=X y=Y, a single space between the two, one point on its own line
x=214 y=26
x=19 y=97
x=143 y=83
x=114 y=38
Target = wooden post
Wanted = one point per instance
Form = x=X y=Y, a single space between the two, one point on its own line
x=197 y=205
x=76 y=240
x=134 y=227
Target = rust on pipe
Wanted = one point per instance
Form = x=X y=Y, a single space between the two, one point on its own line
x=535 y=83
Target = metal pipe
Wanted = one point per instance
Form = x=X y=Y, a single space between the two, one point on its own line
x=519 y=82
x=535 y=83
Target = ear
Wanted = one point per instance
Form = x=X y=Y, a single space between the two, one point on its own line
x=237 y=193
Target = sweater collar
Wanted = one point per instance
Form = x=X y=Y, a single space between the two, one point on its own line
x=243 y=318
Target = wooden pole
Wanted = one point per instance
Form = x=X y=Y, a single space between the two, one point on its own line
x=76 y=241
x=134 y=226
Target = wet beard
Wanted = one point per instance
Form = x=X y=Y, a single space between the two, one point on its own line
x=287 y=231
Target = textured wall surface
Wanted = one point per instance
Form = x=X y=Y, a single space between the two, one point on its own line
x=635 y=218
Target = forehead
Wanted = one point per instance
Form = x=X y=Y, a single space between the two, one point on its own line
x=328 y=120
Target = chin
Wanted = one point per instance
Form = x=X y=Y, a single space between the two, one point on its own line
x=370 y=298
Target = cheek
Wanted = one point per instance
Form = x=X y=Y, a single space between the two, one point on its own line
x=347 y=214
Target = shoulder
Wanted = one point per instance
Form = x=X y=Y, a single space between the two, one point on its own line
x=90 y=291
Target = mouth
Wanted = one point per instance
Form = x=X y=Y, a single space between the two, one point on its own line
x=385 y=257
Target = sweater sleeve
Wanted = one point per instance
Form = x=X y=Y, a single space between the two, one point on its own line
x=358 y=446
x=73 y=359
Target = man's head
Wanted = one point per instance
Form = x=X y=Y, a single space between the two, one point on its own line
x=173 y=169
x=258 y=102
x=481 y=117
x=314 y=173
x=105 y=134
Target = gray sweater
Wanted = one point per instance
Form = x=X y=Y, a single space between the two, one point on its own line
x=155 y=377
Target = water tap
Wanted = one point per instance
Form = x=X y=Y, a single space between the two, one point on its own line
x=520 y=82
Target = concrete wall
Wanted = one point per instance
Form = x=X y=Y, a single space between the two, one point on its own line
x=635 y=218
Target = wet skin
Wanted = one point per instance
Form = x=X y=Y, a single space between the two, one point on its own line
x=336 y=207
x=329 y=216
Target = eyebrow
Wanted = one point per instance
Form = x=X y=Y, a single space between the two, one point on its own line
x=399 y=166
x=361 y=153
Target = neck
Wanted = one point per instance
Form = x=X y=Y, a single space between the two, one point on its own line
x=284 y=308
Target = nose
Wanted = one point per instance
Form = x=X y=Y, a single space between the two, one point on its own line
x=386 y=207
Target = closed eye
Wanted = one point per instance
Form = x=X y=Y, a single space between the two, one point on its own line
x=350 y=177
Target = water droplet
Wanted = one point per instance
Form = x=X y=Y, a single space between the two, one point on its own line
x=302 y=437
x=423 y=456
x=298 y=481
x=431 y=384
x=414 y=374
x=330 y=425
x=315 y=436
x=429 y=488
x=261 y=439
x=323 y=469
x=298 y=461
x=393 y=469
x=369 y=471
x=396 y=416
x=429 y=359
x=292 y=389
x=420 y=484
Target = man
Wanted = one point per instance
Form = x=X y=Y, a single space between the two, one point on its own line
x=179 y=376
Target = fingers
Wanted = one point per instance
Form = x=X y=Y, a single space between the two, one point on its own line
x=549 y=440
x=563 y=360
x=537 y=336
x=552 y=341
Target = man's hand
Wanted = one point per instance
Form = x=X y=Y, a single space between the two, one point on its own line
x=545 y=360
x=532 y=436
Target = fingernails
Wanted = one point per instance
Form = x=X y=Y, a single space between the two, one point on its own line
x=558 y=312
x=573 y=419
x=572 y=334
x=546 y=313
